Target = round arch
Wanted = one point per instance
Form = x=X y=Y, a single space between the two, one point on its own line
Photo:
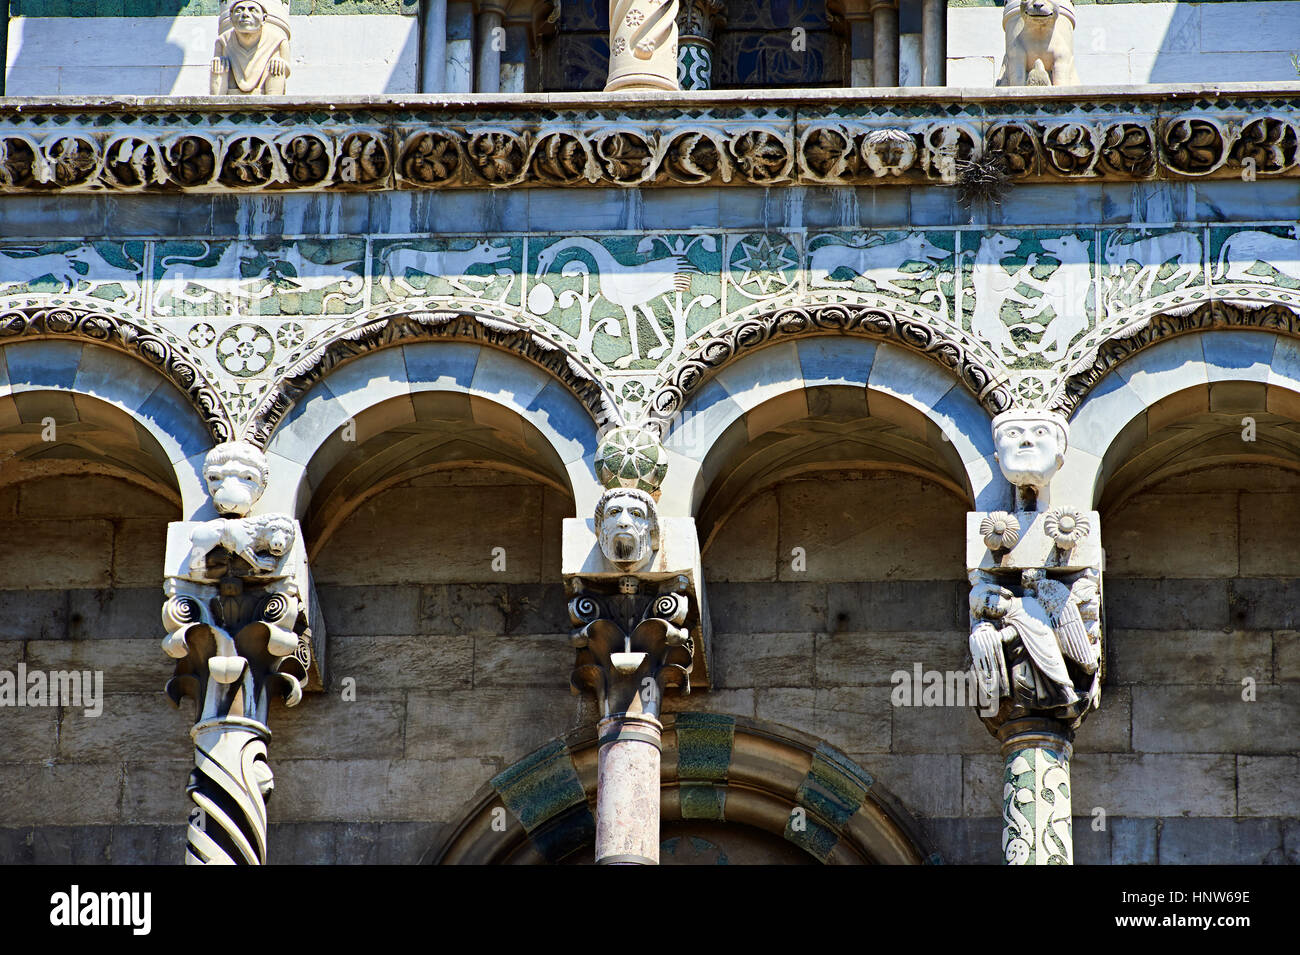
x=157 y=431
x=763 y=388
x=717 y=768
x=376 y=391
x=1185 y=370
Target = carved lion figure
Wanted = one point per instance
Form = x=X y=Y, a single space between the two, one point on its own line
x=246 y=537
x=1040 y=43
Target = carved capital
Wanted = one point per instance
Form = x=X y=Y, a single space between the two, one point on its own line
x=1036 y=644
x=237 y=621
x=632 y=642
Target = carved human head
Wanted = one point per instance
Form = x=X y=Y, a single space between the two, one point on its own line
x=236 y=473
x=989 y=601
x=627 y=527
x=247 y=16
x=1030 y=446
x=1041 y=11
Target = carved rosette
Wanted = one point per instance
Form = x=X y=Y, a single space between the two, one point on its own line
x=642 y=45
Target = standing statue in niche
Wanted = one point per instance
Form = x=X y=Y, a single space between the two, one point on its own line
x=251 y=56
x=1040 y=43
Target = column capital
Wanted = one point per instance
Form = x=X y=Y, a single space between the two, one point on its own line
x=237 y=619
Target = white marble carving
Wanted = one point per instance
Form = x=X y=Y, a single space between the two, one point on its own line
x=627 y=526
x=1039 y=651
x=642 y=45
x=236 y=619
x=1039 y=44
x=1242 y=253
x=251 y=55
x=1031 y=448
x=881 y=264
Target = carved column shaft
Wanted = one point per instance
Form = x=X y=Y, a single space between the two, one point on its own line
x=1036 y=814
x=696 y=25
x=642 y=45
x=1035 y=639
x=884 y=15
x=491 y=41
x=433 y=46
x=458 y=76
x=627 y=801
x=236 y=619
x=633 y=585
x=934 y=43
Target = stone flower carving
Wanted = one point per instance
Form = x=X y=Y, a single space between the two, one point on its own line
x=1000 y=531
x=1066 y=526
x=630 y=457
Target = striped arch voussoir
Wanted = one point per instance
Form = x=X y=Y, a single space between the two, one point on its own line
x=425 y=326
x=1128 y=341
x=987 y=383
x=155 y=347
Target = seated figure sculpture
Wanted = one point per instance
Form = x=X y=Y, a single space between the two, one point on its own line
x=252 y=50
x=1039 y=43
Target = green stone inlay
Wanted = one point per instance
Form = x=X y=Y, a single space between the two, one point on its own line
x=200 y=8
x=703 y=801
x=540 y=786
x=834 y=787
x=704 y=742
x=812 y=837
x=570 y=831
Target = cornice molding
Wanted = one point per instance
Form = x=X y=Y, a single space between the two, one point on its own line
x=781 y=137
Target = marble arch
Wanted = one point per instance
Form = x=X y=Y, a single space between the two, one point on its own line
x=715 y=767
x=1120 y=402
x=95 y=376
x=778 y=379
x=493 y=380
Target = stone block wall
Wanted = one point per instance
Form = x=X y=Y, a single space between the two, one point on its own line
x=152 y=48
x=442 y=673
x=1118 y=42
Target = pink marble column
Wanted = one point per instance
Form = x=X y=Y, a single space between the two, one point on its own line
x=627 y=801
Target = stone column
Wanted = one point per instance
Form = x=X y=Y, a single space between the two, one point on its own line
x=1036 y=819
x=642 y=45
x=491 y=41
x=934 y=42
x=236 y=615
x=1035 y=637
x=631 y=648
x=635 y=605
x=696 y=25
x=857 y=14
x=884 y=15
x=459 y=72
x=433 y=47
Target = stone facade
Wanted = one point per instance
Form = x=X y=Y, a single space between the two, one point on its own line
x=642 y=479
